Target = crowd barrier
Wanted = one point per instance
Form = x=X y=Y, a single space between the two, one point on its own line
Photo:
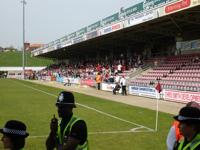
x=168 y=95
x=107 y=86
x=71 y=80
x=181 y=96
x=15 y=76
x=88 y=82
x=142 y=91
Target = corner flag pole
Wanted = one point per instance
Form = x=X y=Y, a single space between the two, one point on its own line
x=156 y=126
x=158 y=96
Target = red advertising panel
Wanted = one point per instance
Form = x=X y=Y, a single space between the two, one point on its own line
x=116 y=27
x=181 y=96
x=177 y=6
x=88 y=82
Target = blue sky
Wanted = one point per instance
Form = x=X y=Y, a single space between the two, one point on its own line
x=48 y=20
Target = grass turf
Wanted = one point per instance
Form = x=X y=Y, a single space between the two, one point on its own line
x=16 y=57
x=35 y=108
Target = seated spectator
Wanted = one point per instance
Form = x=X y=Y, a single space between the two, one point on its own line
x=196 y=59
x=84 y=69
x=111 y=79
x=151 y=83
x=177 y=68
x=164 y=75
x=119 y=68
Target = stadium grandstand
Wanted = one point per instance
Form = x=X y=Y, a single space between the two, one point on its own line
x=151 y=48
x=152 y=41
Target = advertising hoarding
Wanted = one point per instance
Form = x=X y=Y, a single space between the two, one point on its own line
x=94 y=26
x=142 y=91
x=181 y=96
x=140 y=18
x=110 y=19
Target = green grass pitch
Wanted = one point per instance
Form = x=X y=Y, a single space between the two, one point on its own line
x=11 y=59
x=109 y=123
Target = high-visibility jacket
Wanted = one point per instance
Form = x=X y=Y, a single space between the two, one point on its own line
x=67 y=131
x=191 y=145
x=98 y=78
x=179 y=136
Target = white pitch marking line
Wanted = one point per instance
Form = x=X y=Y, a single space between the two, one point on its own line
x=101 y=132
x=101 y=112
x=134 y=129
x=117 y=132
x=106 y=114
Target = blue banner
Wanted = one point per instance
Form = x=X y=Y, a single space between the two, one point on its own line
x=106 y=30
x=142 y=91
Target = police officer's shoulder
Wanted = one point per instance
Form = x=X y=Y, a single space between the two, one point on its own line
x=79 y=124
x=79 y=131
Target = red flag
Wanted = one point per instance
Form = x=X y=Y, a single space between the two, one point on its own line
x=158 y=87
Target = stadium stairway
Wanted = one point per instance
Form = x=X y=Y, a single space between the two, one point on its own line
x=136 y=73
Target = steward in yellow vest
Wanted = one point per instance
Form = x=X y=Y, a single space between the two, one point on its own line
x=98 y=80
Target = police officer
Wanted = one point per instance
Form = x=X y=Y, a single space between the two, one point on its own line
x=71 y=132
x=174 y=134
x=189 y=118
x=14 y=134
